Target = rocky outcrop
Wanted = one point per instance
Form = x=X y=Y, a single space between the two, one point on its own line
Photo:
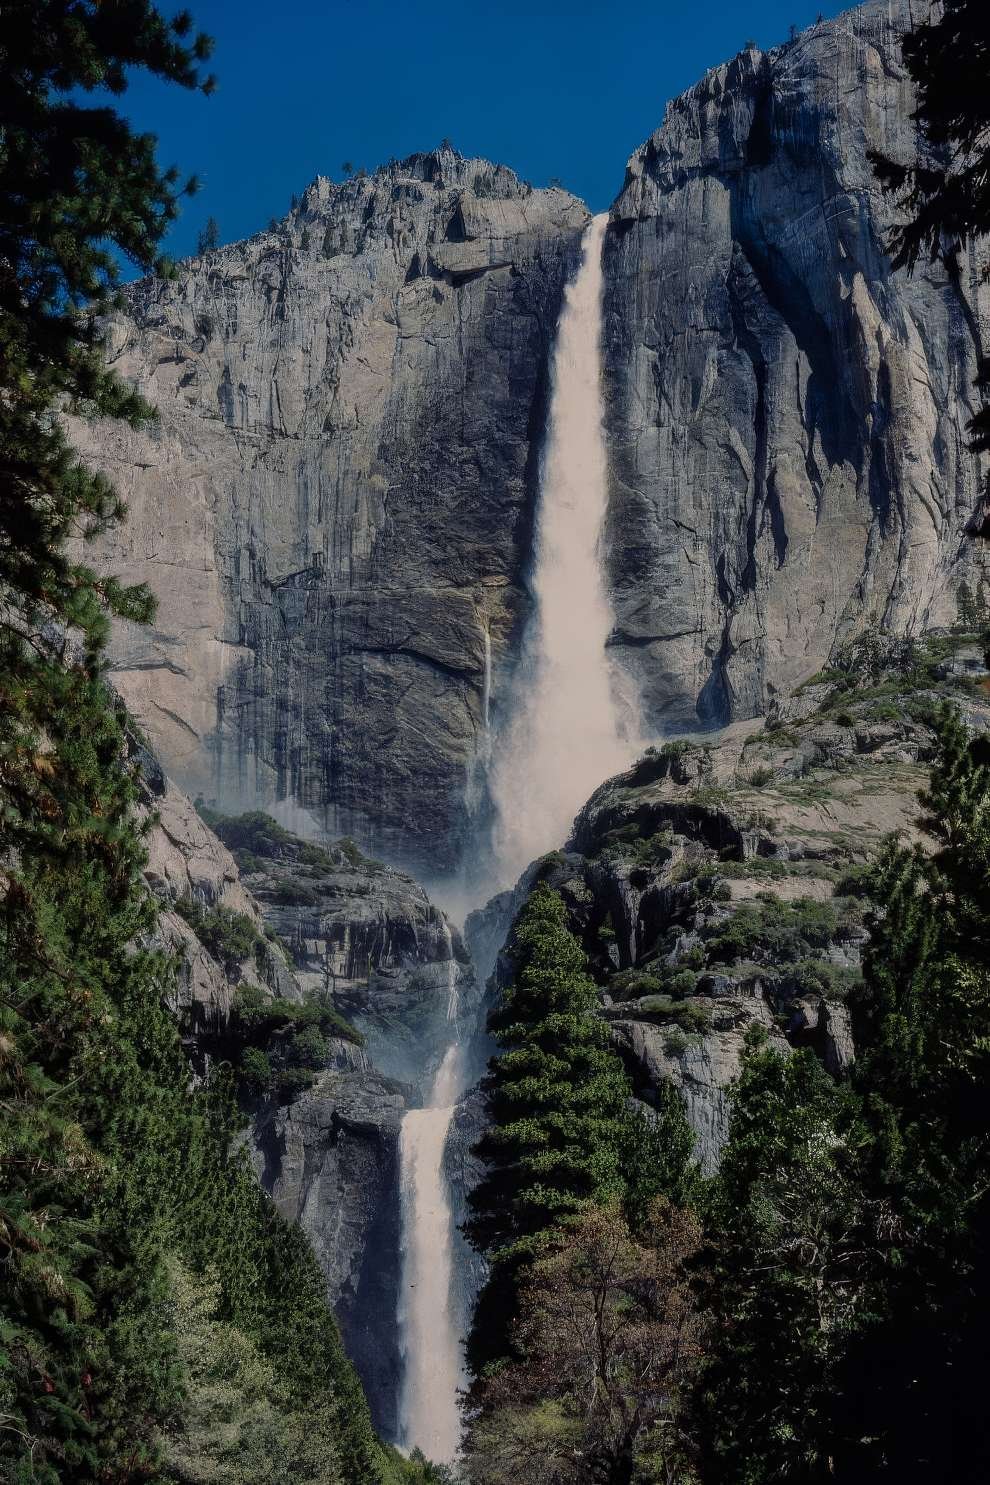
x=189 y=868
x=335 y=508
x=785 y=415
x=258 y=917
x=362 y=934
x=330 y=1160
x=701 y=1068
x=716 y=886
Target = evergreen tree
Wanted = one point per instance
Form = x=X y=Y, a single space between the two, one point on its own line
x=111 y=1165
x=557 y=1104
x=945 y=192
x=923 y=1032
x=209 y=238
x=849 y=1227
x=783 y=1273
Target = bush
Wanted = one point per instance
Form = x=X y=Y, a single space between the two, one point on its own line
x=292 y=893
x=256 y=1070
x=630 y=984
x=771 y=932
x=760 y=777
x=676 y=1042
x=230 y=937
x=690 y=1016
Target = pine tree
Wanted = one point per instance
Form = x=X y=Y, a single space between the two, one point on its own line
x=945 y=193
x=209 y=238
x=923 y=1029
x=110 y=1163
x=783 y=1273
x=557 y=1104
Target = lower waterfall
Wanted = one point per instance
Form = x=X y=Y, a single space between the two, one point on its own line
x=431 y=1342
x=569 y=730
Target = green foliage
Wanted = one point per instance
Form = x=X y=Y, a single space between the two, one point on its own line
x=208 y=239
x=783 y=1254
x=556 y=1097
x=113 y=1165
x=76 y=183
x=244 y=1425
x=230 y=937
x=690 y=1016
x=278 y=1046
x=849 y=1228
x=771 y=931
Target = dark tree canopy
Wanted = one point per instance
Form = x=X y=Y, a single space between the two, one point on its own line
x=945 y=191
x=112 y=1170
x=77 y=187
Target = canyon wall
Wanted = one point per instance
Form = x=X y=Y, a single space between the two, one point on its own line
x=786 y=414
x=335 y=507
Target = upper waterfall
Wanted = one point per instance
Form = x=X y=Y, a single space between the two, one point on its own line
x=571 y=727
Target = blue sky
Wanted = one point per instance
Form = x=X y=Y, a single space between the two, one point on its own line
x=550 y=88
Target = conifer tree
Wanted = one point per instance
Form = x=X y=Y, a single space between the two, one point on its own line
x=209 y=238
x=109 y=1163
x=945 y=191
x=557 y=1104
x=923 y=1030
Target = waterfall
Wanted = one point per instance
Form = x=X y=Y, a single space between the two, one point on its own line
x=486 y=693
x=568 y=732
x=428 y=1323
x=571 y=728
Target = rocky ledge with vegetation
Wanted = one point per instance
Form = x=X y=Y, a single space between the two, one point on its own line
x=324 y=980
x=718 y=883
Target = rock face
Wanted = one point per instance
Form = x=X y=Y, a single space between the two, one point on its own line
x=701 y=1069
x=785 y=415
x=322 y=921
x=335 y=508
x=715 y=886
x=188 y=865
x=363 y=934
x=330 y=1160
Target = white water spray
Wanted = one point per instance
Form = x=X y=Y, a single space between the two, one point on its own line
x=432 y=1370
x=571 y=729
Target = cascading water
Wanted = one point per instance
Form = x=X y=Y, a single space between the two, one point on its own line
x=571 y=727
x=432 y=1367
x=569 y=731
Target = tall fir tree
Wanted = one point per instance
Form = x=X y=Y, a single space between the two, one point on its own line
x=560 y=1128
x=944 y=193
x=109 y=1163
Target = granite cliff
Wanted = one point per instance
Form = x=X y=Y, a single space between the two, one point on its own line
x=336 y=509
x=786 y=415
x=274 y=938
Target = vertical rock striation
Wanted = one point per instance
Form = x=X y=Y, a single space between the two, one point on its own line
x=335 y=508
x=786 y=416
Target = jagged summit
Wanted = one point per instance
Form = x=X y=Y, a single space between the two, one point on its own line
x=383 y=197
